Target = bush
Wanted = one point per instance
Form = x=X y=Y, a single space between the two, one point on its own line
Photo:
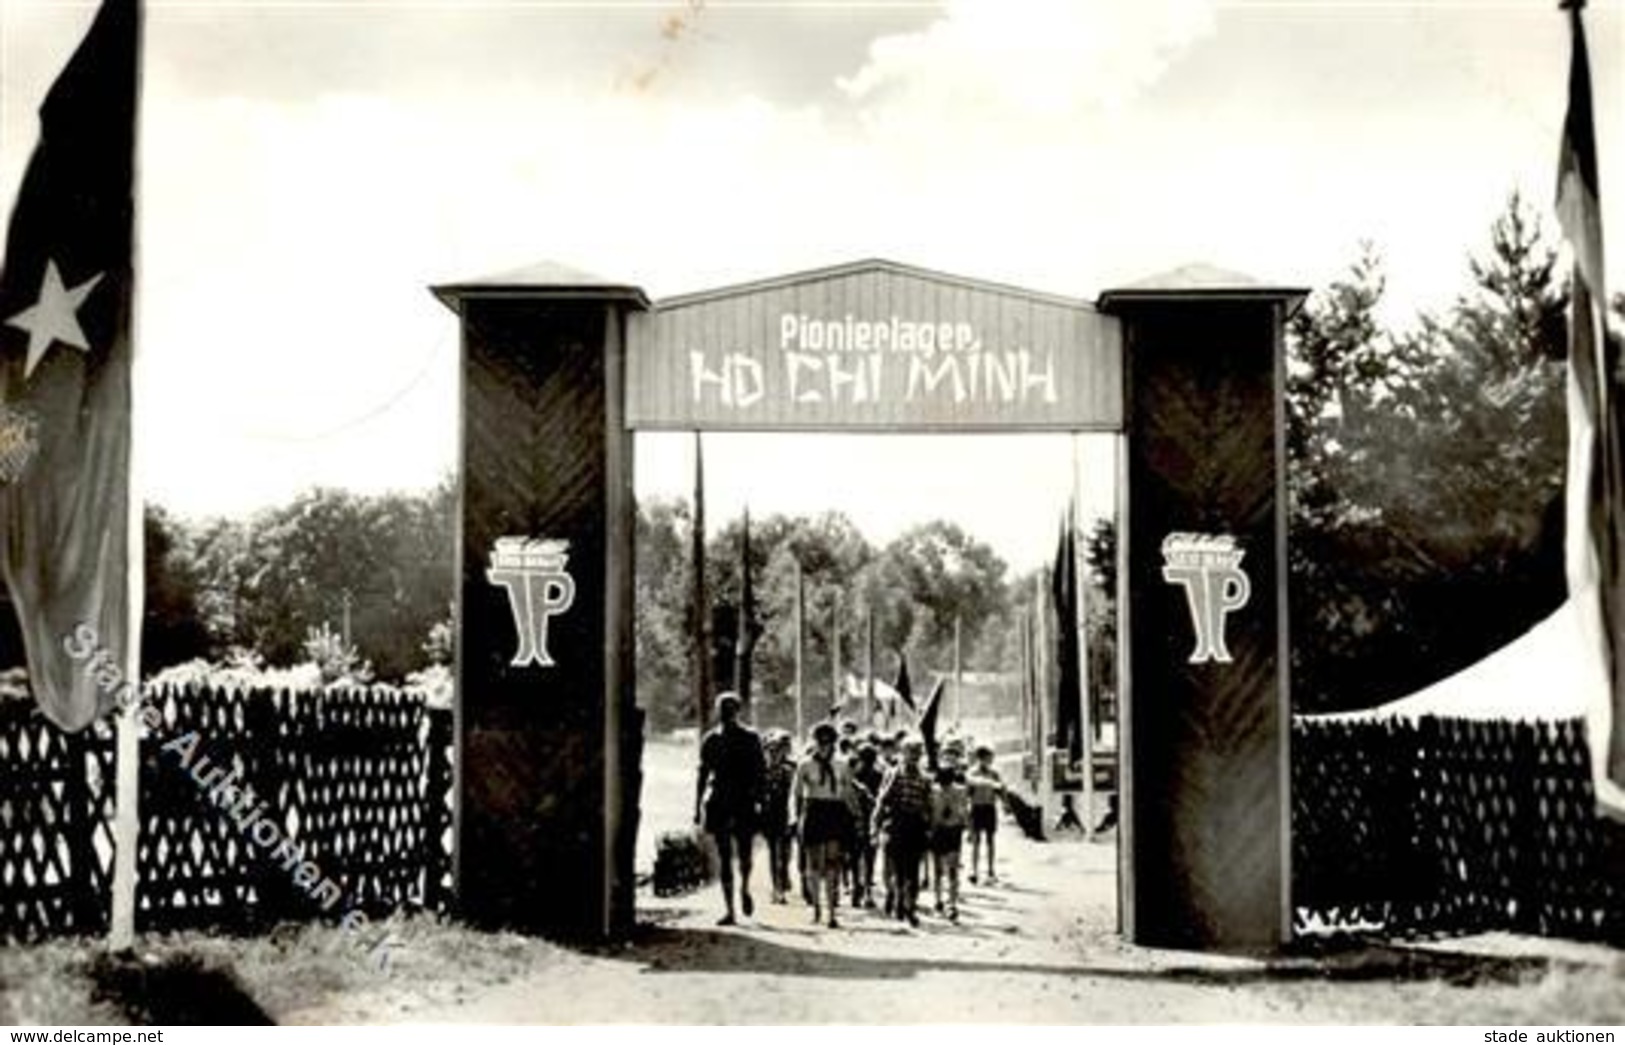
x=684 y=861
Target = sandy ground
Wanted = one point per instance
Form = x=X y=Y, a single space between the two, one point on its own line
x=1042 y=946
x=1039 y=947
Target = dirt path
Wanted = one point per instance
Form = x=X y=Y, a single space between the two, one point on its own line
x=1039 y=947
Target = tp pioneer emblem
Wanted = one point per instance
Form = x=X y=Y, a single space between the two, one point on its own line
x=1208 y=567
x=539 y=588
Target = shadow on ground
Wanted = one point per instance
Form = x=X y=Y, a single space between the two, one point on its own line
x=665 y=948
x=181 y=990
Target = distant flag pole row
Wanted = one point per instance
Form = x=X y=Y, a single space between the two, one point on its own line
x=1595 y=523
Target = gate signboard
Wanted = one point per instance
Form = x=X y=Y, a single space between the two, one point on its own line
x=874 y=345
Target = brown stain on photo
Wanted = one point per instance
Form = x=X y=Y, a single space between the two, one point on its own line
x=674 y=28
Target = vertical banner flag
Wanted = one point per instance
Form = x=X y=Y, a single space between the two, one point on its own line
x=1068 y=695
x=904 y=688
x=1595 y=530
x=1029 y=679
x=928 y=723
x=747 y=617
x=66 y=290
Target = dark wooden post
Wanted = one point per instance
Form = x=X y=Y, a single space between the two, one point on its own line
x=544 y=608
x=1205 y=728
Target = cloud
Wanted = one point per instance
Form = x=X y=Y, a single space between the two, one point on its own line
x=1061 y=57
x=307 y=173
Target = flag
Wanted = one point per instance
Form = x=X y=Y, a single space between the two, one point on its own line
x=746 y=640
x=928 y=723
x=66 y=291
x=904 y=688
x=700 y=610
x=1595 y=525
x=1068 y=691
x=800 y=651
x=1029 y=685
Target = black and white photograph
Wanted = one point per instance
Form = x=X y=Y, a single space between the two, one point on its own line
x=551 y=513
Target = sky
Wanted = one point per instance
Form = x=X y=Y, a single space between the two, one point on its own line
x=310 y=168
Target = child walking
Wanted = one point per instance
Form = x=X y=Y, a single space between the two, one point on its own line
x=903 y=813
x=985 y=787
x=824 y=803
x=781 y=773
x=950 y=813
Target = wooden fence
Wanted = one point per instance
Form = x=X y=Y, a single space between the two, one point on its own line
x=357 y=783
x=1450 y=825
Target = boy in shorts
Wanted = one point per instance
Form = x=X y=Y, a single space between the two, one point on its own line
x=985 y=787
x=950 y=814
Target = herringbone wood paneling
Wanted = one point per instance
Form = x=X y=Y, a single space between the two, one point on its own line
x=535 y=465
x=1206 y=758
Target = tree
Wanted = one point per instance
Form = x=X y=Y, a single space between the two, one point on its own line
x=172 y=628
x=1425 y=474
x=934 y=575
x=381 y=566
x=661 y=613
x=832 y=555
x=1100 y=553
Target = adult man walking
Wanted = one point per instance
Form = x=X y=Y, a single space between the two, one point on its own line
x=734 y=767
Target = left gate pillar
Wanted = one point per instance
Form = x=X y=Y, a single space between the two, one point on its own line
x=546 y=721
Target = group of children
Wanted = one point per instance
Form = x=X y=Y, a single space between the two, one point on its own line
x=857 y=808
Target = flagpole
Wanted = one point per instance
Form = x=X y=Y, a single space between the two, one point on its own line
x=1024 y=707
x=838 y=701
x=801 y=652
x=1080 y=603
x=869 y=641
x=701 y=632
x=1046 y=776
x=959 y=677
x=127 y=749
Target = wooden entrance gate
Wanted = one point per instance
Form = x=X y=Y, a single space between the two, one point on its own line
x=559 y=368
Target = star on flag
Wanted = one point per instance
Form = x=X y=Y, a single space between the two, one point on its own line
x=54 y=316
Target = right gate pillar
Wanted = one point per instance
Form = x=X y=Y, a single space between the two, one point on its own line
x=1205 y=835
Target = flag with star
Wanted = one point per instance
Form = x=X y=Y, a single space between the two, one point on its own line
x=1595 y=530
x=66 y=287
